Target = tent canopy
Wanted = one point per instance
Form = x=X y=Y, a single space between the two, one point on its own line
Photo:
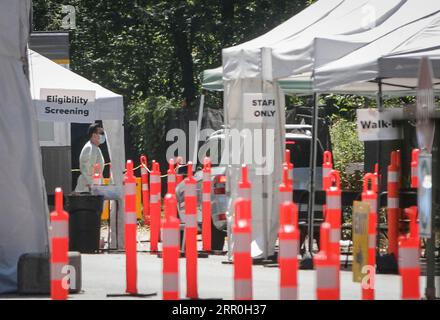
x=393 y=59
x=46 y=74
x=295 y=52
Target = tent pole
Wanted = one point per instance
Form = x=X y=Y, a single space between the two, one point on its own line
x=199 y=126
x=380 y=107
x=311 y=207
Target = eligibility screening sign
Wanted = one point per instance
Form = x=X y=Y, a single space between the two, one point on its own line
x=63 y=105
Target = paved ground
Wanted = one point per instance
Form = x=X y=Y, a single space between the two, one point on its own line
x=105 y=274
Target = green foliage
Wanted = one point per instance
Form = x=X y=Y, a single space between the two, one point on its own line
x=346 y=149
x=147 y=119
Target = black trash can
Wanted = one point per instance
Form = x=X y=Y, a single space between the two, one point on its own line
x=84 y=222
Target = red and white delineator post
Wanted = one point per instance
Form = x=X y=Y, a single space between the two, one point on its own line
x=409 y=263
x=242 y=232
x=145 y=190
x=393 y=206
x=244 y=185
x=369 y=195
x=191 y=255
x=97 y=178
x=414 y=168
x=377 y=177
x=327 y=166
x=171 y=249
x=327 y=287
x=285 y=188
x=155 y=190
x=59 y=248
x=334 y=216
x=289 y=165
x=130 y=228
x=206 y=205
x=289 y=249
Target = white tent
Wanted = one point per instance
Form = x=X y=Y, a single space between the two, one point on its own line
x=46 y=74
x=23 y=209
x=288 y=53
x=393 y=59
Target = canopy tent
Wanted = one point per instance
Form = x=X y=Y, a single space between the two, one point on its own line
x=393 y=59
x=294 y=57
x=23 y=210
x=46 y=74
x=287 y=54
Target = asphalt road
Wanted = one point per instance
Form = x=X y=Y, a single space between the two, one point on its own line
x=104 y=274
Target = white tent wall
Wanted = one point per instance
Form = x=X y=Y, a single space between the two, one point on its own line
x=264 y=195
x=23 y=210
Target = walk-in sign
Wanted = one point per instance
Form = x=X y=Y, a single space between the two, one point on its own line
x=424 y=196
x=373 y=125
x=361 y=211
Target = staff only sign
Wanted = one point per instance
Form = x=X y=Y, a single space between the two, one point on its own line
x=259 y=107
x=63 y=105
x=373 y=125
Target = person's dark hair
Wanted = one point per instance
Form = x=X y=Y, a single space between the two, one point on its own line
x=93 y=129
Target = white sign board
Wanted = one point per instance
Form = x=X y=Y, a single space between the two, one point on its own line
x=259 y=107
x=373 y=125
x=424 y=194
x=62 y=105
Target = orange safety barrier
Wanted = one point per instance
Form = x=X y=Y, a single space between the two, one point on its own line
x=130 y=228
x=242 y=232
x=206 y=205
x=333 y=214
x=59 y=248
x=289 y=164
x=244 y=186
x=145 y=190
x=409 y=253
x=191 y=234
x=370 y=196
x=414 y=168
x=155 y=210
x=171 y=181
x=289 y=248
x=393 y=206
x=327 y=287
x=327 y=166
x=171 y=249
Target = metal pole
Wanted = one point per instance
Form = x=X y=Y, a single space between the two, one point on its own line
x=313 y=151
x=430 y=290
x=199 y=127
x=380 y=107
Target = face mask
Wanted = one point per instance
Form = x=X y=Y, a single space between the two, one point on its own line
x=101 y=138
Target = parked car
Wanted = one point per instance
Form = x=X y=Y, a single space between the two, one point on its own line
x=298 y=139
